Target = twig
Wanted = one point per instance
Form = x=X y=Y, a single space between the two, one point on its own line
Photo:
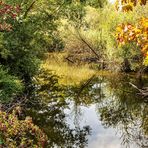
x=69 y=60
x=16 y=104
x=89 y=46
x=134 y=86
x=29 y=8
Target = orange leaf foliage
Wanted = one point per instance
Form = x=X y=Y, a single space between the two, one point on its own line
x=127 y=5
x=126 y=33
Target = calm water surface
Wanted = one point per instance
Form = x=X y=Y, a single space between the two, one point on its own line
x=102 y=112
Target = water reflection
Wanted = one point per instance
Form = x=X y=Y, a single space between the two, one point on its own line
x=125 y=111
x=103 y=112
x=46 y=106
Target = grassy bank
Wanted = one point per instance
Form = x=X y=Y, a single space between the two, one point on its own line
x=69 y=74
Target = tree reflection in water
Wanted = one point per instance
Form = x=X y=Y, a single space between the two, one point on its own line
x=46 y=106
x=118 y=106
x=124 y=110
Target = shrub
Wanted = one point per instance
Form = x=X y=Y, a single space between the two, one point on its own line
x=20 y=133
x=10 y=86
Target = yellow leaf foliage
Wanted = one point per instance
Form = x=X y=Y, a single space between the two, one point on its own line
x=128 y=5
x=126 y=33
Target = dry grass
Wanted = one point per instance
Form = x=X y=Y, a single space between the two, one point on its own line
x=69 y=74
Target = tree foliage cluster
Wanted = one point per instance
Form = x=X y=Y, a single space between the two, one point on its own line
x=139 y=34
x=7 y=12
x=126 y=5
x=26 y=34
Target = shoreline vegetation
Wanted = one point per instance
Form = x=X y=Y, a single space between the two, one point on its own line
x=69 y=74
x=65 y=44
x=73 y=74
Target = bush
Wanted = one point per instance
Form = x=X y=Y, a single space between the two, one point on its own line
x=10 y=86
x=20 y=133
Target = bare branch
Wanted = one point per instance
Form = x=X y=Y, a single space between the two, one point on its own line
x=29 y=8
x=89 y=46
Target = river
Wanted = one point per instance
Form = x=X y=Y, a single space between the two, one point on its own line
x=102 y=112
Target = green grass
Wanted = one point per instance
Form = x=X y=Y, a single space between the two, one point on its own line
x=69 y=74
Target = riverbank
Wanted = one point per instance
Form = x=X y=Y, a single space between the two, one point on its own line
x=69 y=74
x=73 y=74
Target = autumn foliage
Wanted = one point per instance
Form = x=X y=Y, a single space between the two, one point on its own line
x=7 y=13
x=127 y=5
x=20 y=133
x=138 y=33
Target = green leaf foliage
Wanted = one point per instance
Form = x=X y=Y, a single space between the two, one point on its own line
x=10 y=86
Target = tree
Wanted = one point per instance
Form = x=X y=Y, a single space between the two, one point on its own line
x=23 y=42
x=133 y=33
x=127 y=33
x=126 y=5
x=24 y=39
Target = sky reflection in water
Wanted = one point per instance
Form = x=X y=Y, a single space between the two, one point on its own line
x=106 y=113
x=100 y=136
